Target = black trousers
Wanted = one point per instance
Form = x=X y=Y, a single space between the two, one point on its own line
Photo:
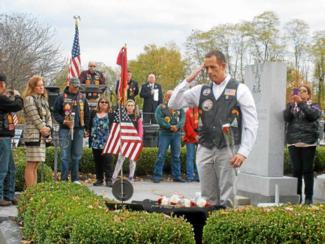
x=103 y=165
x=149 y=118
x=302 y=159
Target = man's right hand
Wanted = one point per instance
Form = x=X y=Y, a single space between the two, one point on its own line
x=192 y=76
x=68 y=123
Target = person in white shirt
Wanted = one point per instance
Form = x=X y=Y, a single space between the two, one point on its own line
x=223 y=103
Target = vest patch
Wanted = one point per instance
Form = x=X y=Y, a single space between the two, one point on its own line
x=230 y=92
x=207 y=105
x=206 y=91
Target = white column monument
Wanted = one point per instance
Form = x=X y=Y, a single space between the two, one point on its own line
x=263 y=170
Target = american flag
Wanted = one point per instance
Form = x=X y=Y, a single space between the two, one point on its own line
x=15 y=118
x=123 y=137
x=75 y=62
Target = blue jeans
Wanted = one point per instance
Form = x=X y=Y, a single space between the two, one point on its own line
x=7 y=170
x=191 y=171
x=174 y=140
x=71 y=152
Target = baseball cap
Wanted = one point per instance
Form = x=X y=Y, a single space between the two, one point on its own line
x=75 y=82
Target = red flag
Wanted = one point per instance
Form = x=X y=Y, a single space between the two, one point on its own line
x=75 y=62
x=123 y=62
x=123 y=137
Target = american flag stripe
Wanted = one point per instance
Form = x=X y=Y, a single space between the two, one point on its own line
x=123 y=137
x=15 y=118
x=114 y=138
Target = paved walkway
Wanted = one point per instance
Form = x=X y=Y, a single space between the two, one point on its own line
x=149 y=190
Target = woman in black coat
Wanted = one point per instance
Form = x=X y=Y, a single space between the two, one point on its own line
x=302 y=135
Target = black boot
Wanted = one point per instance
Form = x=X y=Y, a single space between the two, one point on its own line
x=109 y=183
x=98 y=183
x=308 y=200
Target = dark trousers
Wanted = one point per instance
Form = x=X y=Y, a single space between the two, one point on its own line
x=149 y=118
x=103 y=165
x=302 y=159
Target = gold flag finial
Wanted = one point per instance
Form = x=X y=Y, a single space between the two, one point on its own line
x=77 y=19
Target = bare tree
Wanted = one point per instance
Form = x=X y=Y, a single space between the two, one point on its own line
x=27 y=48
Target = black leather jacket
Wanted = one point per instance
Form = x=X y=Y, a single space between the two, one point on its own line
x=8 y=105
x=302 y=123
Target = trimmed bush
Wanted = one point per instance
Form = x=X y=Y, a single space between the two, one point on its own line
x=40 y=204
x=285 y=224
x=69 y=213
x=132 y=227
x=144 y=164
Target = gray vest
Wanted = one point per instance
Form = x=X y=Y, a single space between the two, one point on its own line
x=216 y=113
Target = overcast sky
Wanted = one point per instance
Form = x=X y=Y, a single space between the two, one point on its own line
x=107 y=24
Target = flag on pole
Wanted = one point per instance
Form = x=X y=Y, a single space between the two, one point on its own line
x=123 y=137
x=75 y=62
x=15 y=118
x=123 y=62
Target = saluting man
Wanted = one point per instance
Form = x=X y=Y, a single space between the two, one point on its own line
x=223 y=101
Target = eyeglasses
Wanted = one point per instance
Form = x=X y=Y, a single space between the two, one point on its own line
x=104 y=102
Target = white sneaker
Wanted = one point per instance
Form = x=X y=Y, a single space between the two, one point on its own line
x=77 y=182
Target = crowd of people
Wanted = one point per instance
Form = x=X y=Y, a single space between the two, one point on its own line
x=194 y=114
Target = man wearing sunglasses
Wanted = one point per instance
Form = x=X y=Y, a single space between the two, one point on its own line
x=92 y=76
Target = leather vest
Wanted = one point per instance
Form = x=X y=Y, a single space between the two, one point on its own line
x=217 y=112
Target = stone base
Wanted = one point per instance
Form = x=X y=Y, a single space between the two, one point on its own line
x=242 y=201
x=319 y=189
x=261 y=189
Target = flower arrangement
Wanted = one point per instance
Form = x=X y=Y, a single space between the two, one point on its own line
x=180 y=201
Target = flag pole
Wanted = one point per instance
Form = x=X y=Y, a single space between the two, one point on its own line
x=121 y=105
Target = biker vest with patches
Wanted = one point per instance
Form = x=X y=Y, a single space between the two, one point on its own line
x=69 y=105
x=171 y=116
x=7 y=125
x=217 y=112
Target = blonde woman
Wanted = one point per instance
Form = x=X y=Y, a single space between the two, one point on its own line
x=38 y=124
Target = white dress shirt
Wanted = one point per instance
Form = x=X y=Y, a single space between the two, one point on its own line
x=185 y=96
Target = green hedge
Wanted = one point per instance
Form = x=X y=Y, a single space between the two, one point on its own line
x=149 y=155
x=87 y=165
x=63 y=212
x=285 y=224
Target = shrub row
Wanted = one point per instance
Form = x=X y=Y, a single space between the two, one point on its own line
x=285 y=224
x=149 y=155
x=68 y=213
x=87 y=165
